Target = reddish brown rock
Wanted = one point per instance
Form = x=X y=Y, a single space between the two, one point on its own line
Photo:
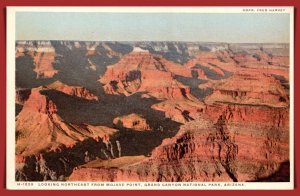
x=240 y=132
x=44 y=64
x=181 y=111
x=98 y=170
x=220 y=60
x=77 y=91
x=43 y=54
x=214 y=60
x=255 y=115
x=40 y=128
x=264 y=62
x=252 y=88
x=132 y=121
x=249 y=97
x=259 y=58
x=204 y=151
x=143 y=72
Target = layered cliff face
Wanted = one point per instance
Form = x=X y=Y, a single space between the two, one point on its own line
x=47 y=146
x=39 y=127
x=249 y=96
x=241 y=114
x=218 y=61
x=44 y=64
x=219 y=136
x=22 y=94
x=181 y=111
x=43 y=54
x=140 y=71
x=248 y=87
x=260 y=57
x=223 y=61
x=77 y=91
x=202 y=151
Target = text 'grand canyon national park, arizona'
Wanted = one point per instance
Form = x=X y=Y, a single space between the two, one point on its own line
x=191 y=99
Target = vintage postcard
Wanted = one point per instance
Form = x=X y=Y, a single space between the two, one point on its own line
x=150 y=98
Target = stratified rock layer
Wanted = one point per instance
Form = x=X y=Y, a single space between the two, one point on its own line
x=252 y=88
x=143 y=72
x=40 y=128
x=43 y=55
x=203 y=151
x=77 y=91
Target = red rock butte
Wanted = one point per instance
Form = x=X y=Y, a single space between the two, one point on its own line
x=140 y=71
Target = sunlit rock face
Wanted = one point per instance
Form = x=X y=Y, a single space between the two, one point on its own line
x=152 y=111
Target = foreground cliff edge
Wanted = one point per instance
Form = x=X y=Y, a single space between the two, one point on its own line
x=152 y=111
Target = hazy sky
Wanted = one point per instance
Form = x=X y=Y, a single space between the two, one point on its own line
x=152 y=27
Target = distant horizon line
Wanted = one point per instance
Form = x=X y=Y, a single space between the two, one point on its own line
x=155 y=41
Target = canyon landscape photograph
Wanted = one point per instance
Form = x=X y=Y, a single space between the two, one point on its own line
x=151 y=97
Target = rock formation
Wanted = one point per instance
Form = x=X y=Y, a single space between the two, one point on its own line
x=252 y=88
x=218 y=141
x=196 y=112
x=140 y=71
x=202 y=151
x=180 y=111
x=132 y=121
x=77 y=91
x=44 y=64
x=43 y=54
x=40 y=128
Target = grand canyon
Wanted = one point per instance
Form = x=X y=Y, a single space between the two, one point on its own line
x=152 y=111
